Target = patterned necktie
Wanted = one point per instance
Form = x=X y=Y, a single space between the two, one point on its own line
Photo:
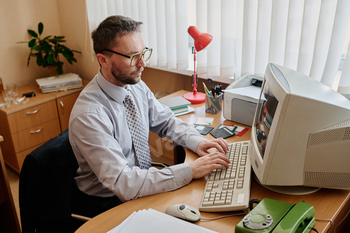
x=138 y=134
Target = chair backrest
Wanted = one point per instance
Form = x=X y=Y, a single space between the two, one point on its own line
x=45 y=186
x=179 y=154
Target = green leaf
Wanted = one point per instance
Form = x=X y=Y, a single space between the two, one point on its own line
x=40 y=28
x=36 y=47
x=59 y=50
x=39 y=59
x=45 y=60
x=65 y=55
x=46 y=46
x=46 y=38
x=50 y=59
x=33 y=33
x=59 y=68
x=32 y=43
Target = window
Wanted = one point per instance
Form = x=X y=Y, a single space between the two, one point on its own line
x=310 y=36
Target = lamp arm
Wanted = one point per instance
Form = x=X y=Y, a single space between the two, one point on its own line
x=194 y=84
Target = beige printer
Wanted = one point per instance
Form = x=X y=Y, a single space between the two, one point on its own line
x=241 y=98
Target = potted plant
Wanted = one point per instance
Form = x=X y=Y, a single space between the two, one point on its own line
x=47 y=50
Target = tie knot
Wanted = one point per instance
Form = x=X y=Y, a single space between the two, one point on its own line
x=128 y=98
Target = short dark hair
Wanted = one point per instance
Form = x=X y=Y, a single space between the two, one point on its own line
x=106 y=35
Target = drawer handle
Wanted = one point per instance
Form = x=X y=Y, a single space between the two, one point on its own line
x=37 y=131
x=35 y=111
x=62 y=105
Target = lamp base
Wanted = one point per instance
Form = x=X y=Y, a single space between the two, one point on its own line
x=197 y=98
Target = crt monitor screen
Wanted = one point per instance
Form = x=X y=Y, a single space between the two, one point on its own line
x=265 y=115
x=301 y=132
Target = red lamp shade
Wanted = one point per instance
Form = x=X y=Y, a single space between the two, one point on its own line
x=201 y=40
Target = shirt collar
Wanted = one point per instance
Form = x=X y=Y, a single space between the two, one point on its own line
x=117 y=93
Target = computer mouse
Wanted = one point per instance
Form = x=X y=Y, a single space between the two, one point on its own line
x=183 y=211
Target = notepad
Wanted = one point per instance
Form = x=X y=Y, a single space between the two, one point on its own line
x=204 y=121
x=202 y=129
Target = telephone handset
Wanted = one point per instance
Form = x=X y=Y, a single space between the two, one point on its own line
x=278 y=217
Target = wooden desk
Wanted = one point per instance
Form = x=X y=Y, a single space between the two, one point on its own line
x=328 y=204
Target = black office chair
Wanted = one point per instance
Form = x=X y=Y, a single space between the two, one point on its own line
x=179 y=157
x=45 y=186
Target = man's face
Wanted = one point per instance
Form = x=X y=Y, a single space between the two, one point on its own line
x=119 y=70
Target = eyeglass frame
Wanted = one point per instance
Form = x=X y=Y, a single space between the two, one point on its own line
x=133 y=55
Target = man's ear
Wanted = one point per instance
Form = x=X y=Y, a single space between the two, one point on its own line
x=102 y=59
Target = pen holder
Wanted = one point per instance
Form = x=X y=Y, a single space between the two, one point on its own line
x=213 y=103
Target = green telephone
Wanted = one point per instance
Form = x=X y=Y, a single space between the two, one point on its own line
x=278 y=217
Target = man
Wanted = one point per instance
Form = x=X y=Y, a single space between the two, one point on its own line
x=111 y=169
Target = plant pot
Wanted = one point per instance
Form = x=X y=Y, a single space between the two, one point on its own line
x=53 y=70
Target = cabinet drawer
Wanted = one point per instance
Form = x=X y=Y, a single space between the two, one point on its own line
x=30 y=117
x=35 y=135
x=23 y=154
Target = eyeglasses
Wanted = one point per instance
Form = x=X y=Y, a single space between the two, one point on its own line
x=134 y=58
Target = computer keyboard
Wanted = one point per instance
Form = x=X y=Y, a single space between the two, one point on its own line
x=228 y=189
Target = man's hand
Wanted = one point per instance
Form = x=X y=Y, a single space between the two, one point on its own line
x=220 y=144
x=205 y=164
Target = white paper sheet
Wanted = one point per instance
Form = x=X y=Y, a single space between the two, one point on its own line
x=152 y=221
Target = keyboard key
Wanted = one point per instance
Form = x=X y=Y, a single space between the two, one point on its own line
x=227 y=188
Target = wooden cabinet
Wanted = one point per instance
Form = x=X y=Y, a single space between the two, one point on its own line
x=65 y=105
x=27 y=126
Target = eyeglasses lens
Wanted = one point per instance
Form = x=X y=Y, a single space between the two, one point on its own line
x=137 y=58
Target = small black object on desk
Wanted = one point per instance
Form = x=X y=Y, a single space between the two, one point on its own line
x=29 y=94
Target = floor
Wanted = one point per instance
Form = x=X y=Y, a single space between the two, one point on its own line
x=14 y=182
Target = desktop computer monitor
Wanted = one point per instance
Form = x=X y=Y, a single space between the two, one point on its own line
x=300 y=139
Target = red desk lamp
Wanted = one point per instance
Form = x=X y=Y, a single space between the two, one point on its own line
x=201 y=40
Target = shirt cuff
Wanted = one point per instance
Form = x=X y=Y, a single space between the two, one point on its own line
x=182 y=173
x=195 y=140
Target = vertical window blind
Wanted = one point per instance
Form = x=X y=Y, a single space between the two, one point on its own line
x=310 y=36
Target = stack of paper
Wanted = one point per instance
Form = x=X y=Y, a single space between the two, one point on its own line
x=178 y=105
x=59 y=83
x=152 y=221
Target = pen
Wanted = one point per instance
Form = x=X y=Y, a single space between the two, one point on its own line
x=206 y=89
x=218 y=89
x=212 y=86
x=234 y=129
x=209 y=95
